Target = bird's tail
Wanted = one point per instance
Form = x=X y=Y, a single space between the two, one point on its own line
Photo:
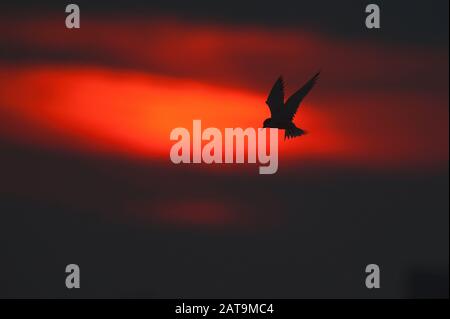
x=293 y=131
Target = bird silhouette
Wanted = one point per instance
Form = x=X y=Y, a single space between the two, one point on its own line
x=283 y=113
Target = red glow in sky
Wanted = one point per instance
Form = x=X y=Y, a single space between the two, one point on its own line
x=357 y=115
x=133 y=114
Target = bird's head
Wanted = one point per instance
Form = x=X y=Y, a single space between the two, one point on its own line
x=267 y=122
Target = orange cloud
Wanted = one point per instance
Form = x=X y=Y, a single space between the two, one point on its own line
x=132 y=114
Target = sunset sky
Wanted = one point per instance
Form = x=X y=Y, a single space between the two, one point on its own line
x=121 y=85
x=86 y=116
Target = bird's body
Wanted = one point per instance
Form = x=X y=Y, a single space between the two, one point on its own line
x=290 y=130
x=282 y=113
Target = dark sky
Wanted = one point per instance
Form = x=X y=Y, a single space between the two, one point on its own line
x=403 y=21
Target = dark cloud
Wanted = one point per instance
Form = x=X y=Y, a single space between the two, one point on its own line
x=330 y=226
x=404 y=21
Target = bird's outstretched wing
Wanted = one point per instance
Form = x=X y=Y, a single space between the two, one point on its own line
x=275 y=100
x=294 y=101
